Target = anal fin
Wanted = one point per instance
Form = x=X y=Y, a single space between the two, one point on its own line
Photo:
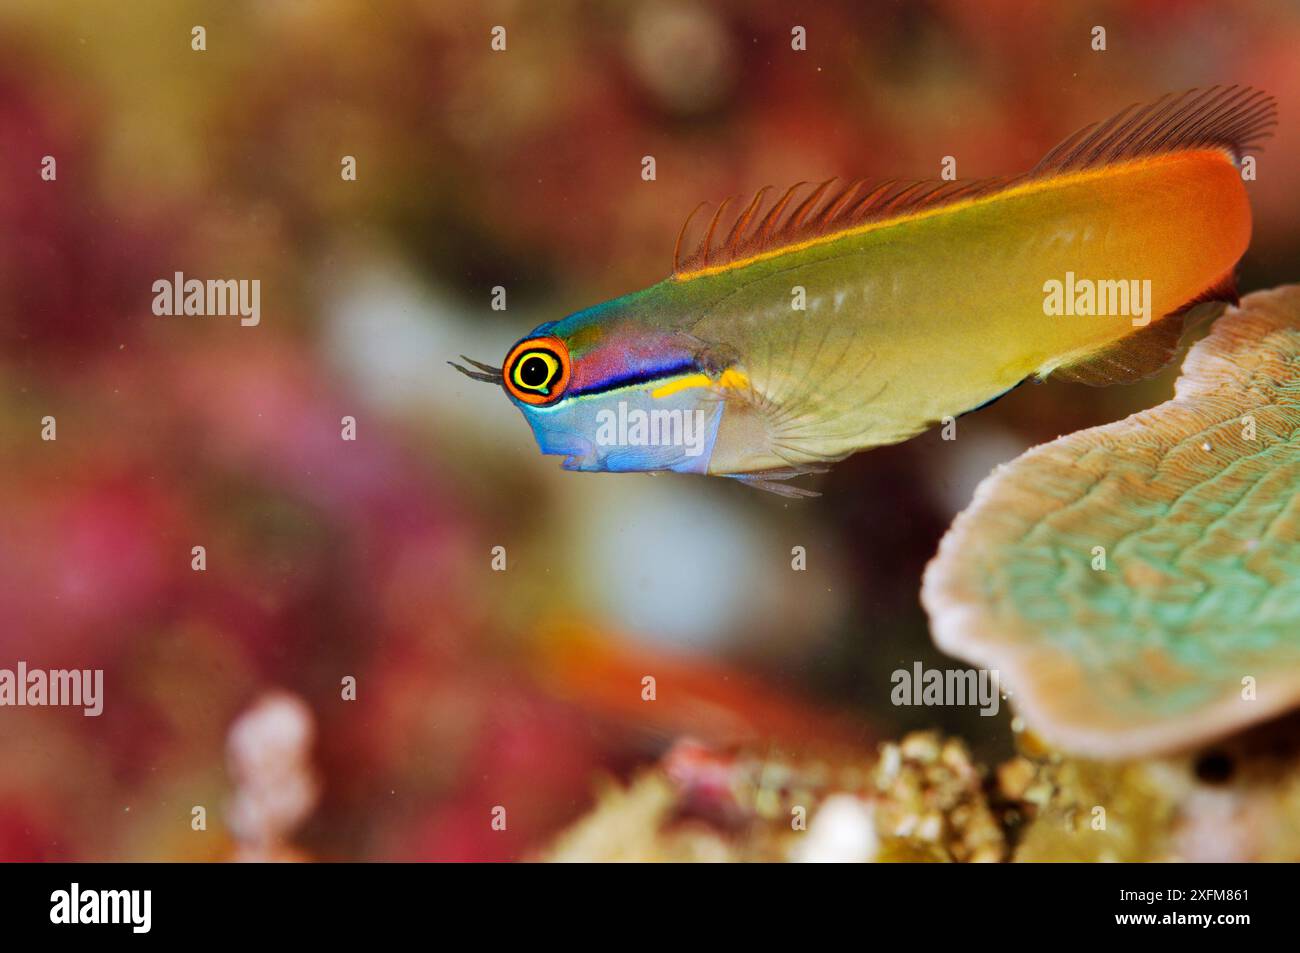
x=1146 y=352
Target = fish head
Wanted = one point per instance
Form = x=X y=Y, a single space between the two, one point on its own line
x=609 y=401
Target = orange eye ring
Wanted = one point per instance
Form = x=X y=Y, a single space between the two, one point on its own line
x=537 y=370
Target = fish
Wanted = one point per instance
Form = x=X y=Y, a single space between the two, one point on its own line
x=820 y=321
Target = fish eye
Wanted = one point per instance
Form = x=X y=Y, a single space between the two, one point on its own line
x=537 y=370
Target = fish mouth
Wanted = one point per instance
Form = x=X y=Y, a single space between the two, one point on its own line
x=485 y=372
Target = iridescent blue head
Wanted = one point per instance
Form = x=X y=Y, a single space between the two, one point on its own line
x=610 y=392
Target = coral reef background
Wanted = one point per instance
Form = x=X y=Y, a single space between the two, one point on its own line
x=372 y=559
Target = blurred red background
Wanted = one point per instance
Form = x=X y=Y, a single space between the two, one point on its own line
x=373 y=558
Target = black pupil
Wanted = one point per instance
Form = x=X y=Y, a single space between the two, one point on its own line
x=534 y=372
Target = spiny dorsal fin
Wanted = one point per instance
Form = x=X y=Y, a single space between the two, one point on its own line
x=787 y=222
x=1232 y=118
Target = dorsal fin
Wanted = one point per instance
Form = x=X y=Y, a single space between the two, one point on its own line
x=1232 y=118
x=787 y=222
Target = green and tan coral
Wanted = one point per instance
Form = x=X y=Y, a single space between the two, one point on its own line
x=1138 y=584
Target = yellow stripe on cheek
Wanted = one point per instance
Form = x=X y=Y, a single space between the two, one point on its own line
x=682 y=383
x=730 y=378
